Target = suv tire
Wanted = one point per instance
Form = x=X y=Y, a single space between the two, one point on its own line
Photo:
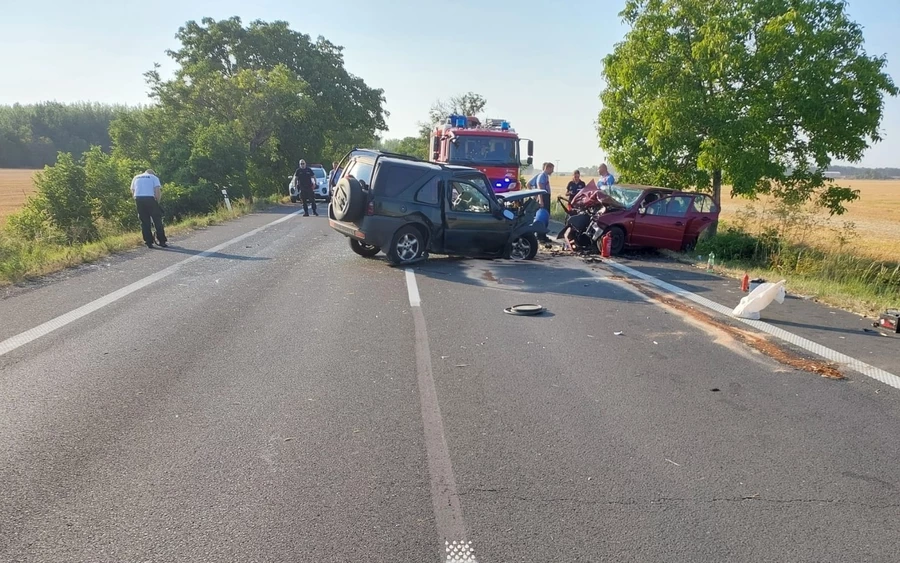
x=523 y=247
x=349 y=200
x=363 y=249
x=407 y=246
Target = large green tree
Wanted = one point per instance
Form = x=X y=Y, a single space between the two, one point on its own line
x=758 y=94
x=245 y=103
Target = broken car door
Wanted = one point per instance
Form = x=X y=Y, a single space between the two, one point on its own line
x=472 y=224
x=702 y=213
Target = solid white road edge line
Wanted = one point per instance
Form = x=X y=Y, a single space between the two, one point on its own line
x=823 y=351
x=412 y=289
x=46 y=328
x=445 y=500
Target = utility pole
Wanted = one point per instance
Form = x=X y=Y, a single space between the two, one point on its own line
x=557 y=166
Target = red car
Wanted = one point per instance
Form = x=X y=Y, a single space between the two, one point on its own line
x=649 y=216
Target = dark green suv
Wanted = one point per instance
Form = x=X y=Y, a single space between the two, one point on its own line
x=408 y=208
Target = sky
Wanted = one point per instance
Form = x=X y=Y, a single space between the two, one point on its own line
x=538 y=63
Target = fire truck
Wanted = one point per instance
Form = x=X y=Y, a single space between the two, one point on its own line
x=492 y=147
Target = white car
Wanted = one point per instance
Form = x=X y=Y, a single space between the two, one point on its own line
x=321 y=190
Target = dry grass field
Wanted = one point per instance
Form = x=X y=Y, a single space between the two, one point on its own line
x=15 y=187
x=876 y=216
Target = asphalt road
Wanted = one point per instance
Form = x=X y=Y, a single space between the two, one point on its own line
x=282 y=400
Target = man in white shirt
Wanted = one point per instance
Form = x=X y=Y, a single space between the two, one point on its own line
x=147 y=191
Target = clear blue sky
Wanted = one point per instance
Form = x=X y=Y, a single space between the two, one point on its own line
x=537 y=63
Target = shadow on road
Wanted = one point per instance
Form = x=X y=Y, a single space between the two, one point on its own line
x=222 y=255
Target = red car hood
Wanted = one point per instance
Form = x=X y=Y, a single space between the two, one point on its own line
x=591 y=193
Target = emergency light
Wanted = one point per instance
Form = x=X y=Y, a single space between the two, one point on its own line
x=457 y=120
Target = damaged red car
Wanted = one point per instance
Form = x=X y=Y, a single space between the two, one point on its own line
x=646 y=216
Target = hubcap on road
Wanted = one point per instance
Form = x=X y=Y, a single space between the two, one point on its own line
x=407 y=247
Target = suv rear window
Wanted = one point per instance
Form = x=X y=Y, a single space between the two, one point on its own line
x=360 y=170
x=395 y=178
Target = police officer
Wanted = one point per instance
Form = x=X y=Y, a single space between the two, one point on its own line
x=304 y=180
x=147 y=191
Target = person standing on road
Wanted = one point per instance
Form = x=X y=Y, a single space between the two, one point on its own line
x=304 y=180
x=332 y=174
x=147 y=191
x=542 y=182
x=575 y=186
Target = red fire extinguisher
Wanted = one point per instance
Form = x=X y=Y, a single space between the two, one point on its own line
x=745 y=283
x=606 y=245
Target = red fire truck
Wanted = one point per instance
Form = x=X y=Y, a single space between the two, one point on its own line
x=492 y=147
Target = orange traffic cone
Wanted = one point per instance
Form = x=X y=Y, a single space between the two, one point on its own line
x=745 y=283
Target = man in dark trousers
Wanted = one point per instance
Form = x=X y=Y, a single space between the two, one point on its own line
x=147 y=191
x=304 y=180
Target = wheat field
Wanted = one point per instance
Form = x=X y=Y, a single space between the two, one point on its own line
x=15 y=187
x=875 y=216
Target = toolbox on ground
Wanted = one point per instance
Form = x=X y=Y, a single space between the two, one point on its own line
x=889 y=320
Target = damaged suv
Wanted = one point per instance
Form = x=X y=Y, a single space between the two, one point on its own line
x=408 y=208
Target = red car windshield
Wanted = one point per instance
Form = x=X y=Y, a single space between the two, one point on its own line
x=625 y=196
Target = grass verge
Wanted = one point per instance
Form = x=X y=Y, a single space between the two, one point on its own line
x=21 y=260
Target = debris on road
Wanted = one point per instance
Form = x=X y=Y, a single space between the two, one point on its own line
x=524 y=309
x=758 y=342
x=618 y=333
x=760 y=298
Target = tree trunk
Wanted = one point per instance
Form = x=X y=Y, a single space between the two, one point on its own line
x=717 y=198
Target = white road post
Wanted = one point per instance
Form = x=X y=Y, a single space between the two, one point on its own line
x=227 y=201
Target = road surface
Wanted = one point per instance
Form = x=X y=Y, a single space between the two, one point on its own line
x=282 y=399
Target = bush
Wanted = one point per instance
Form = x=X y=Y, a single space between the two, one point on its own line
x=62 y=194
x=731 y=244
x=108 y=188
x=179 y=202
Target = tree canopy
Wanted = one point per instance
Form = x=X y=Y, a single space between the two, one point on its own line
x=246 y=103
x=32 y=135
x=758 y=94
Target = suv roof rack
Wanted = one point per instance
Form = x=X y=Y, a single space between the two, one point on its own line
x=380 y=153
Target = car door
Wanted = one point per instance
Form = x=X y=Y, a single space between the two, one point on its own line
x=662 y=223
x=702 y=213
x=473 y=227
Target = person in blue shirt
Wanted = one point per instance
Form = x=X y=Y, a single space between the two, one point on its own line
x=606 y=178
x=542 y=182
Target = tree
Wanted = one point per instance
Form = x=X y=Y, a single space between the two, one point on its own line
x=245 y=103
x=469 y=103
x=758 y=94
x=32 y=135
x=412 y=146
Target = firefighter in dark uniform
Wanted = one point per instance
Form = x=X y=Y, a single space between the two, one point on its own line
x=304 y=180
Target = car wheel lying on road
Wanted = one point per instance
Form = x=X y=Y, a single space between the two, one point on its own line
x=407 y=246
x=523 y=247
x=363 y=249
x=348 y=200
